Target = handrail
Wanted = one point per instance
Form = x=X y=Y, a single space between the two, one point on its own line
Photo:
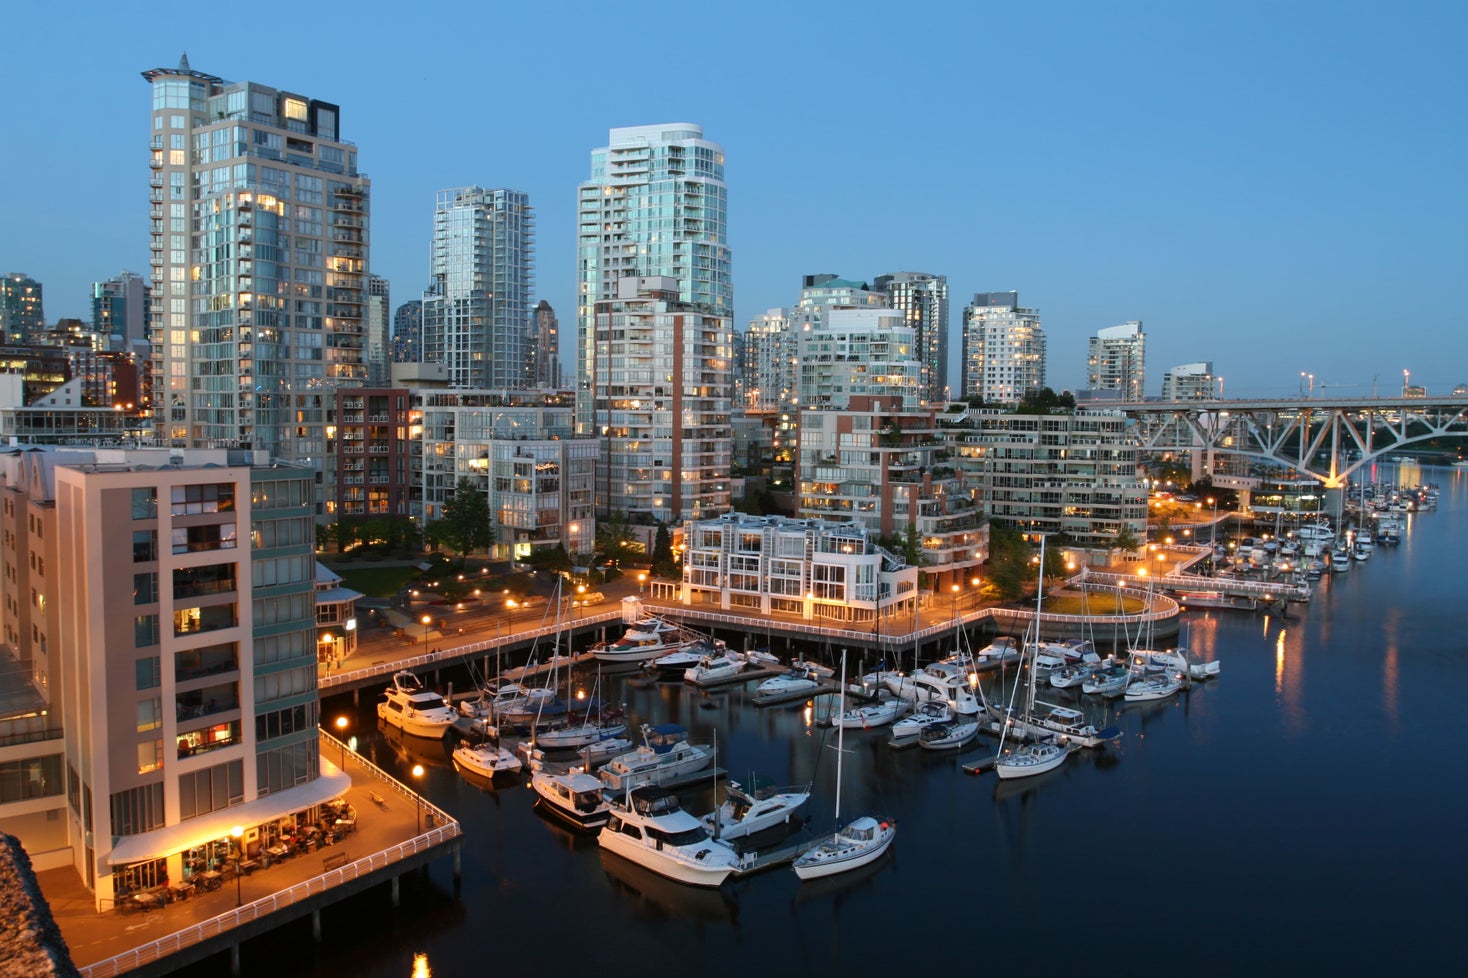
x=444 y=829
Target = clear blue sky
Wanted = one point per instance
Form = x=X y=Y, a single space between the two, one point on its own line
x=1276 y=187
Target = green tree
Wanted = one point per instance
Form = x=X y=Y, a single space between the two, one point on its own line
x=465 y=524
x=1007 y=568
x=1125 y=540
x=616 y=540
x=663 y=563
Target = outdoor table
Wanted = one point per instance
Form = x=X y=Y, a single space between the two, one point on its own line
x=147 y=900
x=248 y=866
x=212 y=879
x=278 y=851
x=181 y=891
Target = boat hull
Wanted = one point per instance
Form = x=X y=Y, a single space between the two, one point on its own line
x=711 y=869
x=840 y=854
x=1026 y=763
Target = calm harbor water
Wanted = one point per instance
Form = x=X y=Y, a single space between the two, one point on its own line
x=1300 y=814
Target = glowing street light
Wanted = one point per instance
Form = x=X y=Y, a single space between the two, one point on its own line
x=418 y=794
x=426 y=619
x=341 y=734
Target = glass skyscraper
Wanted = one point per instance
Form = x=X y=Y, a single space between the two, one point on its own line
x=259 y=255
x=656 y=205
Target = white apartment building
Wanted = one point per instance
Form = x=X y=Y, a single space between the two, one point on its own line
x=1116 y=360
x=818 y=569
x=655 y=206
x=855 y=353
x=1191 y=382
x=1003 y=348
x=922 y=298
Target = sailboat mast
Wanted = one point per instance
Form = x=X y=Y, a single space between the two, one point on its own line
x=840 y=739
x=1039 y=613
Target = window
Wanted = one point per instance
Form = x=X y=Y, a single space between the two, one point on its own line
x=150 y=717
x=205 y=498
x=194 y=539
x=137 y=810
x=149 y=673
x=145 y=546
x=215 y=788
x=145 y=588
x=145 y=632
x=150 y=756
x=33 y=777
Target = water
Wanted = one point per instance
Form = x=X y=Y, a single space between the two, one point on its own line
x=1299 y=814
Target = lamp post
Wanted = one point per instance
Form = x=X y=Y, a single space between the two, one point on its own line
x=341 y=733
x=239 y=854
x=418 y=795
x=426 y=619
x=641 y=583
x=1213 y=525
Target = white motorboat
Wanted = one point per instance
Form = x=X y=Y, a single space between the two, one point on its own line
x=1075 y=673
x=1028 y=760
x=1340 y=561
x=816 y=669
x=713 y=669
x=665 y=756
x=956 y=733
x=871 y=715
x=413 y=709
x=485 y=760
x=594 y=755
x=1156 y=686
x=860 y=841
x=654 y=832
x=576 y=797
x=745 y=813
x=1002 y=649
x=925 y=715
x=946 y=682
x=1110 y=680
x=675 y=664
x=794 y=680
x=1175 y=660
x=647 y=638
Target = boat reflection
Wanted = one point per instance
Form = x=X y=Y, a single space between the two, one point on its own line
x=417 y=750
x=660 y=898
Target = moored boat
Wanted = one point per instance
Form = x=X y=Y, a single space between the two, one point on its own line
x=653 y=831
x=665 y=756
x=575 y=798
x=485 y=760
x=413 y=709
x=745 y=813
x=647 y=638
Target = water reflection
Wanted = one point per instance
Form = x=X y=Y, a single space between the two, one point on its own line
x=659 y=898
x=420 y=966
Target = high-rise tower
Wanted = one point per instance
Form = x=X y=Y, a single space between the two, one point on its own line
x=1117 y=360
x=656 y=205
x=1003 y=348
x=21 y=310
x=476 y=312
x=259 y=263
x=923 y=301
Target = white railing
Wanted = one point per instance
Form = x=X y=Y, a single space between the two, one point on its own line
x=444 y=829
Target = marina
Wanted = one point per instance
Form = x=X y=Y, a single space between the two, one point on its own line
x=1350 y=679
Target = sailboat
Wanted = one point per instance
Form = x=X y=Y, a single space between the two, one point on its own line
x=858 y=842
x=1036 y=758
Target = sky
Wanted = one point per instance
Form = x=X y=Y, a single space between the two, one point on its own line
x=1275 y=187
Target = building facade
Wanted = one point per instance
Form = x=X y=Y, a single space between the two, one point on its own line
x=546 y=348
x=659 y=389
x=368 y=472
x=922 y=298
x=259 y=259
x=407 y=332
x=22 y=310
x=379 y=322
x=121 y=307
x=1003 y=348
x=769 y=363
x=185 y=656
x=1116 y=360
x=1191 y=382
x=818 y=569
x=476 y=312
x=857 y=352
x=656 y=205
x=1072 y=474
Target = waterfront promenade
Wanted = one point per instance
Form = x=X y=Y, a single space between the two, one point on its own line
x=399 y=832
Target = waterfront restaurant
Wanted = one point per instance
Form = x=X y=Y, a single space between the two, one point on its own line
x=336 y=617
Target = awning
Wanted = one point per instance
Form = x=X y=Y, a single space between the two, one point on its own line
x=195 y=832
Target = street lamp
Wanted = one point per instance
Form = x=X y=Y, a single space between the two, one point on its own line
x=239 y=855
x=426 y=619
x=341 y=733
x=418 y=795
x=641 y=582
x=1213 y=526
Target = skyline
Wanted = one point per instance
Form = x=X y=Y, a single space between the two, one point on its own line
x=1183 y=167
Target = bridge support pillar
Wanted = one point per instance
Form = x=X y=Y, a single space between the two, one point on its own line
x=396 y=896
x=316 y=926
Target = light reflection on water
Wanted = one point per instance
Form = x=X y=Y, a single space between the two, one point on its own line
x=1255 y=800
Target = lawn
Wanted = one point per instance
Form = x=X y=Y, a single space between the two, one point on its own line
x=1092 y=604
x=376 y=582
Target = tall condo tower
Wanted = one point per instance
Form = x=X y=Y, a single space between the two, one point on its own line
x=259 y=261
x=1003 y=348
x=661 y=405
x=923 y=301
x=379 y=323
x=1117 y=360
x=120 y=307
x=476 y=312
x=547 y=333
x=21 y=310
x=656 y=205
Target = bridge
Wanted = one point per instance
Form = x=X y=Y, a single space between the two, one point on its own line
x=1327 y=439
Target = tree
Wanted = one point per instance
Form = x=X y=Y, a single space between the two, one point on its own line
x=1126 y=540
x=663 y=563
x=465 y=523
x=616 y=540
x=1008 y=566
